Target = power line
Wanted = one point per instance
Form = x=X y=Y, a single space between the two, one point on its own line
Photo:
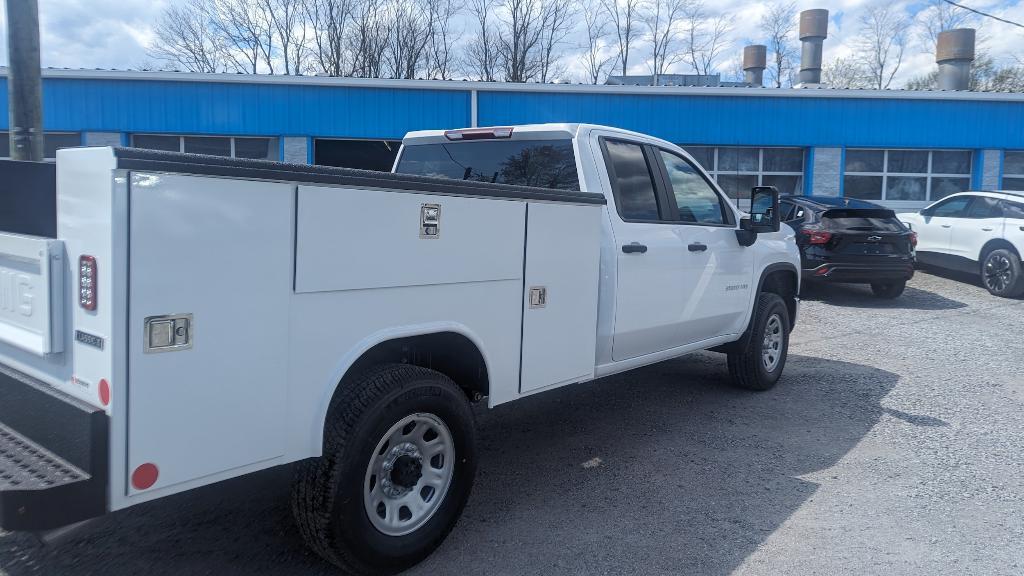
x=968 y=8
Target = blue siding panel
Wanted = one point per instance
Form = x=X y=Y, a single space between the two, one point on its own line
x=782 y=121
x=241 y=109
x=192 y=107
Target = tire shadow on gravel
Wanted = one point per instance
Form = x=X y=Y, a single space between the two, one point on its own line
x=860 y=296
x=666 y=469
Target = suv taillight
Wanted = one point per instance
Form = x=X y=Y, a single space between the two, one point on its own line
x=87 y=282
x=913 y=239
x=816 y=236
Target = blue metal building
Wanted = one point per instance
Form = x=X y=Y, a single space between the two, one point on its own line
x=902 y=148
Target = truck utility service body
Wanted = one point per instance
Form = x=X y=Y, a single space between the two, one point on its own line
x=198 y=318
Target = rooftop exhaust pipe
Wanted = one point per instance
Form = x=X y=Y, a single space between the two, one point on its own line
x=954 y=52
x=755 y=58
x=813 y=31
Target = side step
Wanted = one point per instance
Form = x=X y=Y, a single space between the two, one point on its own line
x=53 y=456
x=40 y=490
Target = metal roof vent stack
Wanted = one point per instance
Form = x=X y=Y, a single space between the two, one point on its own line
x=755 y=58
x=954 y=52
x=813 y=31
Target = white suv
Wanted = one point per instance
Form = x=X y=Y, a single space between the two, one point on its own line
x=975 y=232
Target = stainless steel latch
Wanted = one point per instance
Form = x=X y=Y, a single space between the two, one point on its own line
x=430 y=220
x=168 y=333
x=538 y=296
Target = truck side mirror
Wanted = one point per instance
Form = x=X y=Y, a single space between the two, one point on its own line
x=764 y=209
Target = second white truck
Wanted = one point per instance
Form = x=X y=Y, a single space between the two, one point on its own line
x=199 y=318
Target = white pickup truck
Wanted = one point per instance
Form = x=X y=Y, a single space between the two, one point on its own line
x=199 y=318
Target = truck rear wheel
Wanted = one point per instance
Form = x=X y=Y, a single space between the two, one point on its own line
x=396 y=471
x=759 y=365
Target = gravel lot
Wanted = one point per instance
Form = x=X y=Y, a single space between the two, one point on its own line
x=894 y=444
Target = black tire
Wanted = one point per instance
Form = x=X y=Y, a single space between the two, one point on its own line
x=327 y=499
x=1001 y=273
x=747 y=368
x=888 y=290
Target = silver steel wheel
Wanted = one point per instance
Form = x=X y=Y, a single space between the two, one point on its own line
x=998 y=272
x=409 y=474
x=771 y=348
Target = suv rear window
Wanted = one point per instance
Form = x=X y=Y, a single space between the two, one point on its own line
x=541 y=163
x=866 y=220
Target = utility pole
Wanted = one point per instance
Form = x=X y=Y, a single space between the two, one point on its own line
x=24 y=80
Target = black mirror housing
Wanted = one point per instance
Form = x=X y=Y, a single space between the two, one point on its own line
x=764 y=209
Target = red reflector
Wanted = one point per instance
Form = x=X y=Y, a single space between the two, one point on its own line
x=104 y=392
x=821 y=271
x=87 y=282
x=817 y=236
x=145 y=476
x=479 y=133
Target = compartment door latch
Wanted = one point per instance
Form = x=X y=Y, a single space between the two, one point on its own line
x=168 y=333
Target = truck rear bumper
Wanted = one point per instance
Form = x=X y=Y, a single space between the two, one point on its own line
x=53 y=456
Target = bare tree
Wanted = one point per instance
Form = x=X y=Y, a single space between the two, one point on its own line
x=482 y=50
x=883 y=40
x=778 y=24
x=940 y=17
x=595 y=30
x=409 y=25
x=662 y=19
x=624 y=16
x=986 y=76
x=247 y=33
x=288 y=21
x=521 y=33
x=328 y=21
x=368 y=39
x=443 y=36
x=183 y=37
x=704 y=36
x=845 y=73
x=556 y=25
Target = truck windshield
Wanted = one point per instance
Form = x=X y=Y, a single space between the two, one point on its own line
x=542 y=163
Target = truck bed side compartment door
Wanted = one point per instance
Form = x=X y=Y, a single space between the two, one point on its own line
x=560 y=294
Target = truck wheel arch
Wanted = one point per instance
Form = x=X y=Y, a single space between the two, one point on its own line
x=452 y=350
x=783 y=279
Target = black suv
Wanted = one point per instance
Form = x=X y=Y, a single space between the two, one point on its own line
x=849 y=240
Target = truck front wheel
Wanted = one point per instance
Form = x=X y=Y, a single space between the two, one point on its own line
x=759 y=364
x=396 y=471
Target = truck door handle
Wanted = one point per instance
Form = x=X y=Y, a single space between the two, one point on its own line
x=697 y=247
x=634 y=247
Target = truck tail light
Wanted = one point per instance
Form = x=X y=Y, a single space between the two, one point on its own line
x=87 y=282
x=479 y=133
x=817 y=236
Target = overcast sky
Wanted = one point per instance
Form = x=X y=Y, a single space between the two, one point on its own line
x=115 y=33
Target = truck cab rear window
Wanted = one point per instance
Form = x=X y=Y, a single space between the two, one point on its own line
x=541 y=163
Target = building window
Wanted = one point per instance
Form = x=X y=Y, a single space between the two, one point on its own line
x=907 y=175
x=52 y=141
x=737 y=169
x=1013 y=170
x=376 y=155
x=232 y=146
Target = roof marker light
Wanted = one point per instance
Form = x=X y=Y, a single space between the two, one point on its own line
x=479 y=133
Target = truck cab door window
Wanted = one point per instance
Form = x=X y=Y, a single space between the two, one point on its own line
x=696 y=201
x=632 y=183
